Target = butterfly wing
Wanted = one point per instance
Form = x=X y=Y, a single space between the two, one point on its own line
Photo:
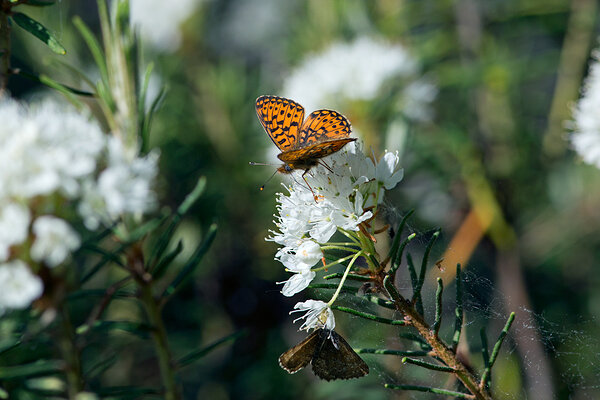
x=323 y=125
x=300 y=355
x=315 y=151
x=335 y=359
x=281 y=118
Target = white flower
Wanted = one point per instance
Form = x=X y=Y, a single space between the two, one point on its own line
x=357 y=71
x=299 y=260
x=387 y=171
x=54 y=240
x=18 y=286
x=45 y=147
x=124 y=187
x=318 y=315
x=14 y=224
x=342 y=196
x=586 y=125
x=159 y=20
x=297 y=282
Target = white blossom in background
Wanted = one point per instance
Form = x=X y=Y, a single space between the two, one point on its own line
x=55 y=239
x=318 y=315
x=358 y=71
x=304 y=224
x=44 y=148
x=14 y=223
x=52 y=156
x=586 y=118
x=124 y=187
x=159 y=21
x=18 y=286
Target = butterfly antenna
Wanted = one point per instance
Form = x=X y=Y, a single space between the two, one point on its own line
x=257 y=163
x=267 y=181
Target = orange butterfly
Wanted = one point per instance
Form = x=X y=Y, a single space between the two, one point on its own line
x=302 y=143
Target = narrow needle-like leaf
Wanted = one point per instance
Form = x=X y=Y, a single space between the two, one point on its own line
x=193 y=262
x=165 y=238
x=338 y=275
x=458 y=312
x=484 y=348
x=368 y=316
x=200 y=353
x=398 y=257
x=438 y=306
x=485 y=378
x=427 y=365
x=37 y=368
x=39 y=31
x=421 y=280
x=396 y=242
x=430 y=390
x=401 y=353
x=380 y=302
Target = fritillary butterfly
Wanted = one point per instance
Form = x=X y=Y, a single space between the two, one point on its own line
x=302 y=143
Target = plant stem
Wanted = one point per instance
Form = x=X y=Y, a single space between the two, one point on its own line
x=341 y=284
x=4 y=45
x=437 y=345
x=136 y=266
x=70 y=354
x=161 y=344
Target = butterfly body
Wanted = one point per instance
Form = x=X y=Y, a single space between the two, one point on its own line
x=302 y=142
x=330 y=355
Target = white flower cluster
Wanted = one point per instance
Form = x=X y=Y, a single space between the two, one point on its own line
x=352 y=183
x=50 y=157
x=159 y=21
x=586 y=124
x=357 y=71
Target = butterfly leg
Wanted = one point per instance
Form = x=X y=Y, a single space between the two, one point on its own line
x=321 y=162
x=311 y=189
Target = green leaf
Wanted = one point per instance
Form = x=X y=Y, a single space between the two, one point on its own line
x=183 y=208
x=458 y=311
x=394 y=248
x=380 y=302
x=198 y=354
x=338 y=275
x=401 y=353
x=438 y=306
x=38 y=30
x=141 y=231
x=9 y=344
x=38 y=368
x=40 y=3
x=445 y=392
x=417 y=290
x=99 y=368
x=161 y=268
x=137 y=328
x=45 y=80
x=433 y=367
x=368 y=316
x=126 y=392
x=397 y=259
x=94 y=47
x=193 y=262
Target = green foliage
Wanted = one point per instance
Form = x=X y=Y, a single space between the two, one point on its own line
x=507 y=74
x=39 y=31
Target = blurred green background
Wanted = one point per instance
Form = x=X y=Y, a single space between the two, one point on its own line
x=487 y=160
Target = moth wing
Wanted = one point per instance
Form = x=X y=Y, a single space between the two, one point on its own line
x=301 y=354
x=335 y=359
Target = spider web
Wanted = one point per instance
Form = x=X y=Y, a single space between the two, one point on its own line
x=539 y=359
